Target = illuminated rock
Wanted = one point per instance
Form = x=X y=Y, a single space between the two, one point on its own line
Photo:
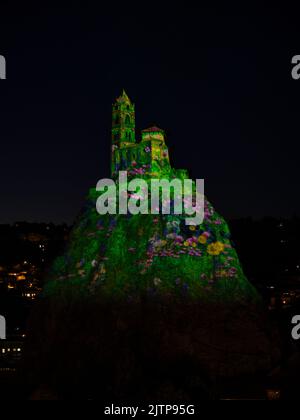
x=124 y=256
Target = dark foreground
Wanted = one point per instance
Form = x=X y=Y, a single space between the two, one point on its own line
x=145 y=352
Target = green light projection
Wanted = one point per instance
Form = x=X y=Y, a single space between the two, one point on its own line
x=147 y=255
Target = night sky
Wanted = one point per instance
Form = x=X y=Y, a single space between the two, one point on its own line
x=218 y=81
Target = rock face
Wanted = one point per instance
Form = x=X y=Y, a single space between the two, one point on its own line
x=145 y=307
x=146 y=255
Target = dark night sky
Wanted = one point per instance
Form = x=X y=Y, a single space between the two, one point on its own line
x=219 y=82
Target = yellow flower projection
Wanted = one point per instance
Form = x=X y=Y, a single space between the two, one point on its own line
x=215 y=248
x=202 y=239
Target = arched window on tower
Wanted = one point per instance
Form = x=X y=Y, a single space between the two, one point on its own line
x=127 y=120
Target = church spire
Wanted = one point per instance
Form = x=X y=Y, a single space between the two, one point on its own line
x=124 y=98
x=123 y=121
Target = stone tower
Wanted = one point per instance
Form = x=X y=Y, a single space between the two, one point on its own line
x=123 y=121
